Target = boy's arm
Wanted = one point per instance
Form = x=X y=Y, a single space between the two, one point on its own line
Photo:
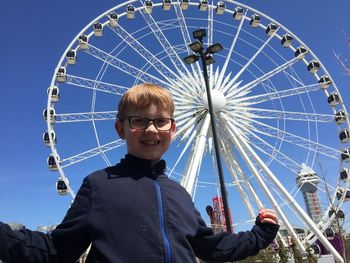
x=225 y=246
x=25 y=246
x=65 y=244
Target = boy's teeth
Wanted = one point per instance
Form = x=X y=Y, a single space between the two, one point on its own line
x=150 y=142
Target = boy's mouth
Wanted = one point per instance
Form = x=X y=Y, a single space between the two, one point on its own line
x=150 y=142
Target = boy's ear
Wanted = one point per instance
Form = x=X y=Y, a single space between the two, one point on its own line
x=120 y=129
x=173 y=131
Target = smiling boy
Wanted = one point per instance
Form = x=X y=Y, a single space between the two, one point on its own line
x=132 y=212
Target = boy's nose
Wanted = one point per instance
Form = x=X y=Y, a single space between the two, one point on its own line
x=151 y=127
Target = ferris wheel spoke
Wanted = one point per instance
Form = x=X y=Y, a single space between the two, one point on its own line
x=91 y=153
x=230 y=52
x=167 y=47
x=302 y=142
x=195 y=158
x=279 y=94
x=122 y=65
x=251 y=60
x=289 y=115
x=248 y=154
x=95 y=85
x=164 y=70
x=187 y=39
x=85 y=116
x=249 y=86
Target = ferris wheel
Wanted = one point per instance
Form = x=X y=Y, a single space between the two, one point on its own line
x=282 y=124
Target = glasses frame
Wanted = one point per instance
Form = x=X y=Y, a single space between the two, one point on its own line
x=148 y=122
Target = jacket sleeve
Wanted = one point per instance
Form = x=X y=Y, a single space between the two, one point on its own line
x=72 y=237
x=25 y=246
x=65 y=244
x=225 y=246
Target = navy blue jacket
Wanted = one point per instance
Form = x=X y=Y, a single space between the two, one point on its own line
x=132 y=212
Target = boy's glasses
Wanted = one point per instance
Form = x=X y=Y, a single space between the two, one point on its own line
x=141 y=123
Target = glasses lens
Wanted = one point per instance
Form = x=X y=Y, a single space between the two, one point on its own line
x=138 y=122
x=163 y=124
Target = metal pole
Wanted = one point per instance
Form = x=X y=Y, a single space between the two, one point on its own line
x=216 y=146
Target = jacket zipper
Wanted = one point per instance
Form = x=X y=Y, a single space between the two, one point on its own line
x=168 y=256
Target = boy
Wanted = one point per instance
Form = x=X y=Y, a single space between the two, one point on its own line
x=132 y=212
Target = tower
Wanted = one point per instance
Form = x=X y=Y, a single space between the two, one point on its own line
x=307 y=181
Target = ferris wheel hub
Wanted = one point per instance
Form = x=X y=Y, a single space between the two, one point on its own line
x=218 y=100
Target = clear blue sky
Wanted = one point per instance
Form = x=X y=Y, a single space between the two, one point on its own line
x=33 y=37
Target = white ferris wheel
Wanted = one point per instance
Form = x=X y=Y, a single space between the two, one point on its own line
x=282 y=125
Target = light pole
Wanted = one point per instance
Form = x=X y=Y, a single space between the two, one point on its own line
x=207 y=59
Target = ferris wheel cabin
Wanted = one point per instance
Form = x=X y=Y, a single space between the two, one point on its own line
x=344 y=136
x=98 y=29
x=313 y=66
x=83 y=42
x=238 y=13
x=61 y=75
x=341 y=192
x=61 y=186
x=344 y=174
x=340 y=117
x=46 y=138
x=203 y=5
x=184 y=4
x=333 y=99
x=51 y=118
x=300 y=52
x=325 y=82
x=148 y=6
x=286 y=40
x=166 y=5
x=71 y=57
x=51 y=163
x=220 y=8
x=255 y=20
x=55 y=93
x=329 y=233
x=130 y=12
x=270 y=29
x=113 y=19
x=345 y=155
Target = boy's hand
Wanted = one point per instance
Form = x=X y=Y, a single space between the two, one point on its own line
x=268 y=216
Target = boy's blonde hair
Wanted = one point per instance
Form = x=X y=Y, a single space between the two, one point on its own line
x=142 y=96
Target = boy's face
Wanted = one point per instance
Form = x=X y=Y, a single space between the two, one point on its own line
x=149 y=144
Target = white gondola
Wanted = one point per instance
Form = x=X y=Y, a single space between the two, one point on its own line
x=329 y=233
x=166 y=5
x=98 y=29
x=71 y=57
x=237 y=13
x=51 y=163
x=51 y=116
x=61 y=186
x=184 y=4
x=130 y=12
x=333 y=99
x=325 y=82
x=315 y=250
x=203 y=5
x=55 y=93
x=220 y=8
x=46 y=138
x=344 y=174
x=148 y=6
x=340 y=214
x=113 y=19
x=270 y=29
x=255 y=20
x=300 y=52
x=83 y=42
x=313 y=66
x=340 y=117
x=345 y=155
x=341 y=192
x=344 y=136
x=61 y=75
x=286 y=40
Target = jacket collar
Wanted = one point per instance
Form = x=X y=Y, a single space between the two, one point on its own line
x=132 y=166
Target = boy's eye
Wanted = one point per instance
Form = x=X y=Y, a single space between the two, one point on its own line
x=139 y=121
x=161 y=122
